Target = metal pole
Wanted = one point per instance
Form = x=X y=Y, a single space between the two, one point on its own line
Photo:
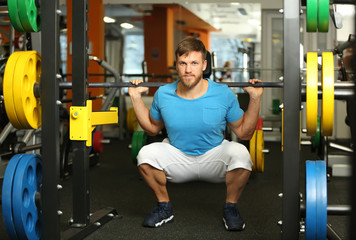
x=50 y=120
x=291 y=154
x=81 y=210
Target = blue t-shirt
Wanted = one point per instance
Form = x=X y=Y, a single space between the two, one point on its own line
x=195 y=126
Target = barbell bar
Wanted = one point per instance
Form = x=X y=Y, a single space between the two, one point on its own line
x=68 y=85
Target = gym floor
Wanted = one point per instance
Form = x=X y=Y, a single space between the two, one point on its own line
x=197 y=206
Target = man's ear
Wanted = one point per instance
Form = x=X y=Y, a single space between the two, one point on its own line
x=205 y=63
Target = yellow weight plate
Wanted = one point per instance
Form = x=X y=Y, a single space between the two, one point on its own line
x=28 y=72
x=327 y=103
x=131 y=120
x=260 y=156
x=312 y=92
x=9 y=90
x=253 y=151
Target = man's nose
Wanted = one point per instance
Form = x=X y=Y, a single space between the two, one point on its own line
x=188 y=68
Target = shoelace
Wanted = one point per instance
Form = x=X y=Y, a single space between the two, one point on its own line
x=233 y=210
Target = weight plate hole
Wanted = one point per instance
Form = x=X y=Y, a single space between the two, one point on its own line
x=30 y=65
x=38 y=69
x=26 y=84
x=29 y=222
x=26 y=198
x=35 y=115
x=30 y=175
x=38 y=228
x=28 y=105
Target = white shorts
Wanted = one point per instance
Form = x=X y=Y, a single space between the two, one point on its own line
x=210 y=166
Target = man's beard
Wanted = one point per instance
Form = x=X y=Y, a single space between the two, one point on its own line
x=189 y=84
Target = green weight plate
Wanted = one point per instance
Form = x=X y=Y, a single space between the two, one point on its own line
x=139 y=139
x=14 y=15
x=323 y=15
x=275 y=106
x=316 y=138
x=29 y=15
x=142 y=139
x=312 y=15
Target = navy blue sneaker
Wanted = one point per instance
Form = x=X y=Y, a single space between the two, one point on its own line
x=161 y=214
x=232 y=219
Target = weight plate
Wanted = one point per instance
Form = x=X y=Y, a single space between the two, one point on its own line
x=8 y=91
x=131 y=120
x=27 y=180
x=312 y=93
x=7 y=188
x=260 y=156
x=29 y=15
x=310 y=197
x=253 y=150
x=141 y=140
x=321 y=200
x=97 y=142
x=316 y=138
x=28 y=72
x=12 y=6
x=275 y=106
x=323 y=15
x=327 y=103
x=312 y=15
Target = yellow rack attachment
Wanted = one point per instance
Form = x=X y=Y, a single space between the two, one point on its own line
x=83 y=121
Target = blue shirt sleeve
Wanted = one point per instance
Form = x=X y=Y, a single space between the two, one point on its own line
x=234 y=112
x=155 y=111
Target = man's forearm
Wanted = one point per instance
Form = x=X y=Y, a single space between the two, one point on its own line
x=143 y=115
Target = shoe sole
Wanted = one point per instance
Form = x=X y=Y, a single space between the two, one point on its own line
x=164 y=221
x=233 y=229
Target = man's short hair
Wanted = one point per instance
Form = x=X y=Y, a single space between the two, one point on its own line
x=190 y=44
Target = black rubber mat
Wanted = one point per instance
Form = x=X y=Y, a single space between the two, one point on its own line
x=197 y=206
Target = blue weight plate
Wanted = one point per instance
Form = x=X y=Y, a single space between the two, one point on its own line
x=7 y=187
x=28 y=177
x=310 y=196
x=321 y=200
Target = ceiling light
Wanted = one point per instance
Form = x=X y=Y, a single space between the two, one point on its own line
x=235 y=3
x=109 y=20
x=126 y=25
